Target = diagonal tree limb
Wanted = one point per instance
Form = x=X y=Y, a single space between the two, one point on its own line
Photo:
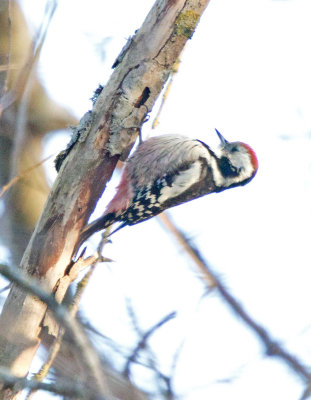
x=115 y=121
x=272 y=346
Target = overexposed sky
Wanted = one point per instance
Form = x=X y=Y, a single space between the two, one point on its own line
x=246 y=71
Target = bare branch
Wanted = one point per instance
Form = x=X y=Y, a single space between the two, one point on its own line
x=273 y=348
x=115 y=120
x=74 y=389
x=64 y=318
x=14 y=180
x=193 y=254
x=8 y=98
x=156 y=119
x=7 y=67
x=306 y=394
x=143 y=341
x=73 y=307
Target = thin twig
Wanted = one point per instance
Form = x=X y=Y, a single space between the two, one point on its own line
x=7 y=67
x=143 y=341
x=306 y=394
x=208 y=277
x=17 y=91
x=5 y=288
x=273 y=348
x=64 y=317
x=22 y=175
x=116 y=347
x=73 y=307
x=133 y=318
x=44 y=370
x=23 y=86
x=151 y=362
x=155 y=122
x=73 y=390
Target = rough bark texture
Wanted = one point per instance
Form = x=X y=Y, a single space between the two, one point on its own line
x=116 y=117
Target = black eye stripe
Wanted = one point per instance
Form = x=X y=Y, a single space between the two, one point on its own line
x=226 y=168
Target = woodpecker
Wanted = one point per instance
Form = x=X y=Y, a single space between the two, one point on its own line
x=169 y=170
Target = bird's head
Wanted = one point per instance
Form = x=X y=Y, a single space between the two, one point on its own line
x=237 y=162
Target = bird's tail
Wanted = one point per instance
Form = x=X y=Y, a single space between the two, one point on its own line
x=99 y=224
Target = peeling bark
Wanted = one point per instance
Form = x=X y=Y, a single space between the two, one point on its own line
x=117 y=115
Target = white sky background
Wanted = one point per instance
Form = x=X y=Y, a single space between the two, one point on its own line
x=247 y=72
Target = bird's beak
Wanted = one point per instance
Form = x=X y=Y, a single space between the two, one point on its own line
x=221 y=138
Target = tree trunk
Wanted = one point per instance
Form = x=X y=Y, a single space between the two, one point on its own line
x=113 y=126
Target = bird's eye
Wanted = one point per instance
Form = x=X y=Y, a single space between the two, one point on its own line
x=234 y=149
